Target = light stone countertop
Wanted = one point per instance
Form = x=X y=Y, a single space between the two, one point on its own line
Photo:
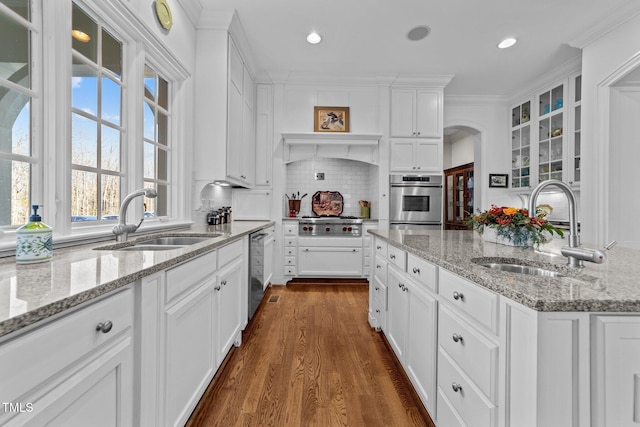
x=613 y=286
x=33 y=292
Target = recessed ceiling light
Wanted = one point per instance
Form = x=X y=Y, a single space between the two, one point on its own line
x=314 y=38
x=80 y=36
x=507 y=43
x=418 y=33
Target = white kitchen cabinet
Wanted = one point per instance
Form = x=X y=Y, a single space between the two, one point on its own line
x=420 y=156
x=228 y=310
x=321 y=260
x=251 y=205
x=398 y=312
x=416 y=113
x=75 y=370
x=264 y=136
x=378 y=286
x=616 y=367
x=269 y=247
x=290 y=231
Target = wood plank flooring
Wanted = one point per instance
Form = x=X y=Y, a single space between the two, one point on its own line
x=311 y=359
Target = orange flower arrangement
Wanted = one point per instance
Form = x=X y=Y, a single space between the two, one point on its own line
x=514 y=224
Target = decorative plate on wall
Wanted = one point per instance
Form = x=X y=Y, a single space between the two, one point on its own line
x=163 y=12
x=327 y=203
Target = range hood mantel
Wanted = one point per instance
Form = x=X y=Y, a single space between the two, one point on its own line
x=313 y=145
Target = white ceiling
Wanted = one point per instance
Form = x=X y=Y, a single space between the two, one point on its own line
x=367 y=38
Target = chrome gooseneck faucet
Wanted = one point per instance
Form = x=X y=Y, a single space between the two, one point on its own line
x=574 y=253
x=123 y=229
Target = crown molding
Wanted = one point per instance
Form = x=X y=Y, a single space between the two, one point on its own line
x=606 y=24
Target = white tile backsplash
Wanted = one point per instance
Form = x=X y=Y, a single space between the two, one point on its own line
x=354 y=180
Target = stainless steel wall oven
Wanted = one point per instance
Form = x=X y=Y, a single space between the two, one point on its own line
x=415 y=202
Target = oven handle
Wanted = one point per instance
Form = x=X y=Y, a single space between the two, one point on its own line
x=416 y=185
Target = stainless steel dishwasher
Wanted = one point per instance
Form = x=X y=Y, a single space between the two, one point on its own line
x=256 y=270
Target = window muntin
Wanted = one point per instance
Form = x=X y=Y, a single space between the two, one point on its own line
x=156 y=146
x=96 y=128
x=16 y=107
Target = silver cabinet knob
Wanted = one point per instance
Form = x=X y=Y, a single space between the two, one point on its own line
x=378 y=247
x=378 y=310
x=104 y=327
x=456 y=337
x=217 y=288
x=456 y=387
x=457 y=295
x=223 y=283
x=377 y=288
x=378 y=266
x=392 y=256
x=416 y=270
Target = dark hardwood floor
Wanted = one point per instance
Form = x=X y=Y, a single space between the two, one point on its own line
x=311 y=359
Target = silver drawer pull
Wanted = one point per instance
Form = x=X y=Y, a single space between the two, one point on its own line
x=378 y=266
x=456 y=337
x=456 y=387
x=378 y=247
x=378 y=310
x=377 y=288
x=457 y=295
x=392 y=256
x=104 y=327
x=217 y=288
x=223 y=283
x=416 y=270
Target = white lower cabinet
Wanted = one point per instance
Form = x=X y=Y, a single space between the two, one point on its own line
x=411 y=331
x=330 y=256
x=190 y=317
x=76 y=370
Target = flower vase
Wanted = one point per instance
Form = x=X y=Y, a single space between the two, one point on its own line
x=507 y=237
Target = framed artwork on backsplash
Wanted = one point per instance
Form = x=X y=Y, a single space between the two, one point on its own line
x=331 y=119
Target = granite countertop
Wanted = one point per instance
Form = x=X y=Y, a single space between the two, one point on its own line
x=33 y=292
x=613 y=286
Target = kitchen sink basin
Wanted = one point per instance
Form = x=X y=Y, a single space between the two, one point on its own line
x=159 y=243
x=521 y=269
x=174 y=241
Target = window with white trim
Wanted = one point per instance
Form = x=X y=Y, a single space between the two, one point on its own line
x=17 y=94
x=96 y=122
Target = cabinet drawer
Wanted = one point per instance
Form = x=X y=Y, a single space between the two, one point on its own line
x=290 y=251
x=397 y=257
x=468 y=402
x=381 y=269
x=228 y=253
x=290 y=241
x=189 y=274
x=48 y=350
x=381 y=248
x=479 y=304
x=289 y=270
x=380 y=314
x=423 y=272
x=475 y=354
x=290 y=229
x=447 y=416
x=380 y=293
x=289 y=260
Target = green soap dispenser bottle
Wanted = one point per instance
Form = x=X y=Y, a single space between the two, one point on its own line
x=34 y=240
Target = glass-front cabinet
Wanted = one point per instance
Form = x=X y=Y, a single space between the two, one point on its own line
x=458 y=196
x=545 y=139
x=520 y=145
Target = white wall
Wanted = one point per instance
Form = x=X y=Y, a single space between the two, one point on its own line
x=604 y=191
x=459 y=148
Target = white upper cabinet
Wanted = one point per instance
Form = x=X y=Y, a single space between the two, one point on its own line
x=416 y=113
x=416 y=155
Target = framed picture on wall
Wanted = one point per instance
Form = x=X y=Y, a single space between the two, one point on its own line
x=331 y=119
x=498 y=180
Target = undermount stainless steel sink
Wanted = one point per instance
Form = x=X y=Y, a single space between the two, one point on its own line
x=160 y=243
x=521 y=269
x=174 y=241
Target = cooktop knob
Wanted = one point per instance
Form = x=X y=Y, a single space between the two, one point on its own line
x=350 y=228
x=344 y=228
x=310 y=228
x=304 y=228
x=327 y=229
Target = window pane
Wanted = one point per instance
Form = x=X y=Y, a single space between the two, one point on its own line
x=84 y=191
x=15 y=186
x=15 y=122
x=161 y=200
x=14 y=52
x=162 y=128
x=149 y=122
x=149 y=203
x=162 y=164
x=111 y=54
x=21 y=7
x=110 y=148
x=149 y=161
x=110 y=196
x=149 y=83
x=84 y=143
x=163 y=93
x=110 y=101
x=84 y=26
x=84 y=88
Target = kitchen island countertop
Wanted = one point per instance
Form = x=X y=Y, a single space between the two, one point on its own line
x=613 y=286
x=33 y=292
